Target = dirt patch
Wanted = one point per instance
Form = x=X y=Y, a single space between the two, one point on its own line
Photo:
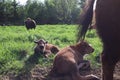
x=40 y=73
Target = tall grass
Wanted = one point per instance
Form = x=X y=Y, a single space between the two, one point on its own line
x=17 y=44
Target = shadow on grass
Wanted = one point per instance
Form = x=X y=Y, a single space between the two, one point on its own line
x=29 y=65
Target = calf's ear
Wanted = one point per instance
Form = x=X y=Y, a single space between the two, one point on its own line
x=46 y=42
x=35 y=41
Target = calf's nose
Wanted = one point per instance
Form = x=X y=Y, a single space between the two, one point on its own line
x=41 y=47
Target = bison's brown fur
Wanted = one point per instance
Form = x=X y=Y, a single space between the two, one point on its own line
x=108 y=27
x=30 y=24
x=44 y=48
x=67 y=60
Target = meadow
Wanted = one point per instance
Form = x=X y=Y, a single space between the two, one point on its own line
x=17 y=45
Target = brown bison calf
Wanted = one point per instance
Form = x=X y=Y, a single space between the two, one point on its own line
x=67 y=62
x=30 y=24
x=44 y=48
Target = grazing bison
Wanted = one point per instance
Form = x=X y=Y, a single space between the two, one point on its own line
x=67 y=61
x=44 y=48
x=108 y=27
x=30 y=24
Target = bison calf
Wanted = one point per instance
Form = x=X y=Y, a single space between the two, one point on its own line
x=67 y=62
x=44 y=48
x=30 y=24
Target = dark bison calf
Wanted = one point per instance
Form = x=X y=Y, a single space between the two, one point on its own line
x=67 y=62
x=30 y=24
x=44 y=48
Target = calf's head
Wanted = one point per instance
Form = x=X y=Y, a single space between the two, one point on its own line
x=85 y=48
x=41 y=45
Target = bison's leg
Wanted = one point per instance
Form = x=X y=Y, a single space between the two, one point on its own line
x=76 y=75
x=108 y=65
x=84 y=65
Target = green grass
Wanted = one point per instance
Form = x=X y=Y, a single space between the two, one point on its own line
x=17 y=44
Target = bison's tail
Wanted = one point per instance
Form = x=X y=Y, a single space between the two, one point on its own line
x=85 y=19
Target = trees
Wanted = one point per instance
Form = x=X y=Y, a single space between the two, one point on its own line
x=10 y=12
x=47 y=12
x=64 y=9
x=2 y=12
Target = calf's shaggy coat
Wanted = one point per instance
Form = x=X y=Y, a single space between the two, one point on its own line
x=67 y=60
x=44 y=48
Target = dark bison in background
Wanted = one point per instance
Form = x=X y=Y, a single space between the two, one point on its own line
x=108 y=27
x=30 y=23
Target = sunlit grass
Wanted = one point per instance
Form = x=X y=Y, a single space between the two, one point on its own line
x=17 y=44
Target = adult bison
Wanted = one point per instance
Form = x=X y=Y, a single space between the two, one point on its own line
x=30 y=24
x=108 y=27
